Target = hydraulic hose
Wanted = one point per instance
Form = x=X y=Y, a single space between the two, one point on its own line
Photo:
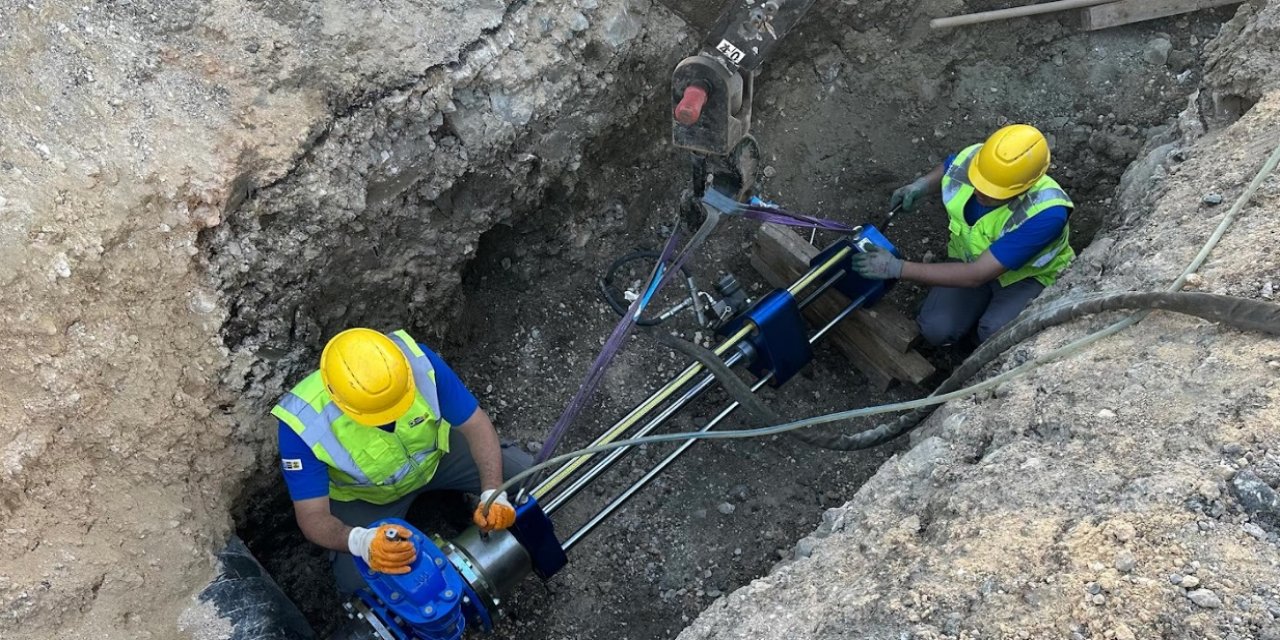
x=1239 y=313
x=621 y=307
x=732 y=384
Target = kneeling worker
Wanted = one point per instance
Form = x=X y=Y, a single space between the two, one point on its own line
x=1009 y=236
x=383 y=420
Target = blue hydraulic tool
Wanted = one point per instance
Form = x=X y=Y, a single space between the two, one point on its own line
x=780 y=342
x=853 y=285
x=454 y=584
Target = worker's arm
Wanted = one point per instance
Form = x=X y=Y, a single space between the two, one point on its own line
x=377 y=546
x=482 y=439
x=955 y=274
x=933 y=179
x=907 y=197
x=879 y=264
x=319 y=525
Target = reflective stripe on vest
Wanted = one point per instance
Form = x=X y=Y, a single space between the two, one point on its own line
x=316 y=431
x=423 y=373
x=967 y=241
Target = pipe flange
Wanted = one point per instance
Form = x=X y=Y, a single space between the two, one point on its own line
x=475 y=578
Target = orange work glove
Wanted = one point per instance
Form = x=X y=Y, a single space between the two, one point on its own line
x=387 y=549
x=499 y=516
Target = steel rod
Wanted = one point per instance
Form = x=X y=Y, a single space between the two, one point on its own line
x=580 y=483
x=660 y=396
x=630 y=491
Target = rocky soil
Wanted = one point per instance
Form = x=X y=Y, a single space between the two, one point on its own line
x=1126 y=492
x=189 y=207
x=135 y=135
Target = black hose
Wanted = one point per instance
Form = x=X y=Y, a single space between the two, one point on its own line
x=622 y=306
x=732 y=384
x=1238 y=313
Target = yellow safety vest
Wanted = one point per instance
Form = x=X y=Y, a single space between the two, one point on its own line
x=368 y=463
x=970 y=241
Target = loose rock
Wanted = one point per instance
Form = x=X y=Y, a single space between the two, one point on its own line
x=1205 y=598
x=1123 y=632
x=1125 y=561
x=1255 y=496
x=1157 y=51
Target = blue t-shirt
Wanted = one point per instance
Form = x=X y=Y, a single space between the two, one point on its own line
x=307 y=477
x=1015 y=249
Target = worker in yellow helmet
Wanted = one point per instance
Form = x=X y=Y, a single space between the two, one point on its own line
x=383 y=420
x=1008 y=236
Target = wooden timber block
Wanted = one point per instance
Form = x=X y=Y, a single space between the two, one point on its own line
x=878 y=343
x=1115 y=14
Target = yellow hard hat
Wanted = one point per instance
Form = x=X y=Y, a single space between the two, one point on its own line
x=367 y=376
x=1010 y=162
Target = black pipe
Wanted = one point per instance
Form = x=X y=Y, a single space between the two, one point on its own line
x=244 y=593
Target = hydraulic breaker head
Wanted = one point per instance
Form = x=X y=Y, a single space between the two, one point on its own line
x=711 y=106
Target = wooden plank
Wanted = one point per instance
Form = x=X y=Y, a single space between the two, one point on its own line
x=782 y=256
x=1130 y=11
x=890 y=325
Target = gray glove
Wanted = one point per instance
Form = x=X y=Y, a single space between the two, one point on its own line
x=909 y=195
x=877 y=264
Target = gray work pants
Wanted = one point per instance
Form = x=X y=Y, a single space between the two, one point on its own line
x=949 y=313
x=457 y=472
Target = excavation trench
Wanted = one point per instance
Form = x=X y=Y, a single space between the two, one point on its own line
x=461 y=212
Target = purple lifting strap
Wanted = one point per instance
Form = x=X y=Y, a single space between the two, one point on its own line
x=611 y=346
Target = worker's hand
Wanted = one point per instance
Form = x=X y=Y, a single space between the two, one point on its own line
x=499 y=516
x=877 y=264
x=387 y=549
x=908 y=196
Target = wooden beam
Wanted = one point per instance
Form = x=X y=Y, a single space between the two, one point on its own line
x=1012 y=12
x=1129 y=11
x=782 y=256
x=896 y=330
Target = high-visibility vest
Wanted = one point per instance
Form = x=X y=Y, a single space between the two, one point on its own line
x=970 y=241
x=368 y=463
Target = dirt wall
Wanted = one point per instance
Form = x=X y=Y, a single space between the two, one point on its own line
x=1126 y=492
x=131 y=134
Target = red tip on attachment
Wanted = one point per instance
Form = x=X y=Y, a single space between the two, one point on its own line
x=690 y=107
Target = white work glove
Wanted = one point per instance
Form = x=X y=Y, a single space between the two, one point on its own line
x=383 y=552
x=500 y=516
